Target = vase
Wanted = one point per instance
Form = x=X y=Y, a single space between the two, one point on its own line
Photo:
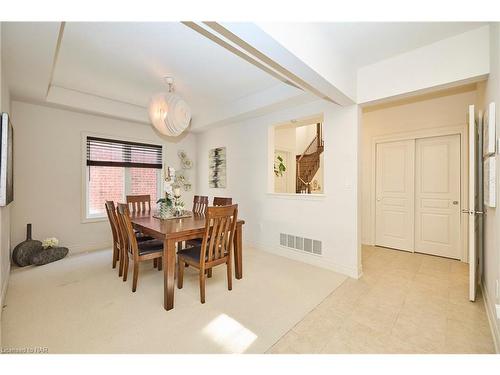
x=164 y=210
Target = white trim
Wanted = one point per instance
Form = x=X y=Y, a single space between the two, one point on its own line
x=317 y=260
x=3 y=294
x=460 y=129
x=296 y=196
x=492 y=320
x=84 y=218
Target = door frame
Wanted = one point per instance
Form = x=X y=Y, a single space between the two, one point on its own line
x=461 y=130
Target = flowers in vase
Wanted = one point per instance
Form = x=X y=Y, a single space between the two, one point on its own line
x=50 y=242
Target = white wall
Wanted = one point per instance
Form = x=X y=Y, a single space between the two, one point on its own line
x=431 y=111
x=491 y=260
x=285 y=140
x=4 y=211
x=461 y=57
x=48 y=172
x=332 y=219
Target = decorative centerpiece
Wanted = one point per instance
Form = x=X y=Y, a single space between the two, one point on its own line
x=178 y=204
x=171 y=205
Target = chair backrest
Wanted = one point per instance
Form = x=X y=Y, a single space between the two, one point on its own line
x=220 y=226
x=219 y=201
x=111 y=212
x=139 y=203
x=200 y=204
x=130 y=241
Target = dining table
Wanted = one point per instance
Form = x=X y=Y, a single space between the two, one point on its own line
x=177 y=230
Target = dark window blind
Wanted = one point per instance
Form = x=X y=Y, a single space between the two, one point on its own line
x=114 y=153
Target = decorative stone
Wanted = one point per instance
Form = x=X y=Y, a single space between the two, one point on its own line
x=23 y=252
x=49 y=255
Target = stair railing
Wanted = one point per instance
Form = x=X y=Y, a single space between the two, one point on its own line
x=313 y=147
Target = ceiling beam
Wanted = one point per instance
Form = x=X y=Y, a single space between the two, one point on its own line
x=56 y=55
x=279 y=61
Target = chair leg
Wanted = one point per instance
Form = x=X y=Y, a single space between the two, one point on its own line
x=229 y=275
x=155 y=262
x=120 y=266
x=180 y=274
x=209 y=273
x=125 y=267
x=202 y=286
x=160 y=263
x=136 y=276
x=115 y=255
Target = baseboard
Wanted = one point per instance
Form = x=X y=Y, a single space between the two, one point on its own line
x=492 y=319
x=2 y=296
x=77 y=249
x=314 y=260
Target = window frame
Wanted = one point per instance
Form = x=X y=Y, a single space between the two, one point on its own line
x=84 y=206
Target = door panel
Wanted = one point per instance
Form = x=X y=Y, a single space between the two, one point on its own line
x=394 y=207
x=437 y=196
x=475 y=203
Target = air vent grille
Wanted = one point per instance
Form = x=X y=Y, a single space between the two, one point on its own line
x=307 y=245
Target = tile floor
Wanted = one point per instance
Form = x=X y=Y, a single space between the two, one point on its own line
x=404 y=303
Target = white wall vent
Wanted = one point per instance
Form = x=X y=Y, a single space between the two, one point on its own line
x=307 y=245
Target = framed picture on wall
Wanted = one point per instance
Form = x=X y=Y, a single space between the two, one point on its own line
x=217 y=167
x=489 y=130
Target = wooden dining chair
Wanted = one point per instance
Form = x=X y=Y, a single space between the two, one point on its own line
x=219 y=201
x=110 y=211
x=200 y=204
x=139 y=203
x=216 y=247
x=118 y=236
x=139 y=251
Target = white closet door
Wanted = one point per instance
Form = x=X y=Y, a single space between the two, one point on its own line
x=437 y=196
x=395 y=194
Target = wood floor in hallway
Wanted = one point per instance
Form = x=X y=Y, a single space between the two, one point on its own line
x=404 y=303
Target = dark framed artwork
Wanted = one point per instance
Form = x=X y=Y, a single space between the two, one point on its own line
x=217 y=167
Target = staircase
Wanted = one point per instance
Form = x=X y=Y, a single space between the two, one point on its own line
x=308 y=162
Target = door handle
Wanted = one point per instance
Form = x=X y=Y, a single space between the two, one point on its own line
x=466 y=211
x=455 y=203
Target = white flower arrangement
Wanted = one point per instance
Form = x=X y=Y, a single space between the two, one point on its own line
x=50 y=242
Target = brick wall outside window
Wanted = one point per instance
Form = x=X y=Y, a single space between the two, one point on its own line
x=108 y=183
x=144 y=181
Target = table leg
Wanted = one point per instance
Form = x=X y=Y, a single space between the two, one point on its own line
x=238 y=248
x=168 y=273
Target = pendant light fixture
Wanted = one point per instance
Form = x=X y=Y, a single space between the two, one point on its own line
x=168 y=112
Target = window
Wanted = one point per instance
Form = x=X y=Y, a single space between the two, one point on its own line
x=298 y=157
x=119 y=168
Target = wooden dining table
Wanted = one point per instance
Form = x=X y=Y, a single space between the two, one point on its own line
x=173 y=231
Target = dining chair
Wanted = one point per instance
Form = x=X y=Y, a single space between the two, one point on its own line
x=215 y=249
x=219 y=201
x=110 y=211
x=119 y=242
x=139 y=203
x=200 y=204
x=139 y=251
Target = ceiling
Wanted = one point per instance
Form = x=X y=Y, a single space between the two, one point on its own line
x=125 y=63
x=364 y=43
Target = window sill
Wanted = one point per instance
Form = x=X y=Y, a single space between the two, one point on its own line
x=87 y=220
x=307 y=197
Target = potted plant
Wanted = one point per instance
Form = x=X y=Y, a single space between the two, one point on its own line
x=279 y=166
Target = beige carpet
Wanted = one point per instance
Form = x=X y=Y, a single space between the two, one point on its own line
x=79 y=305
